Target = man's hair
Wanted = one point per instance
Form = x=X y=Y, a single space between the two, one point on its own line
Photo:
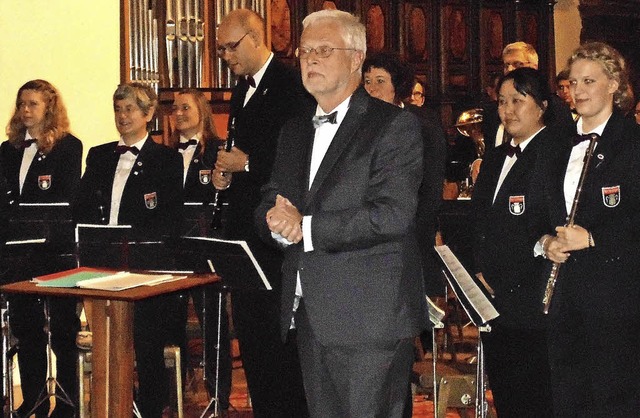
x=353 y=32
x=562 y=76
x=528 y=50
x=250 y=21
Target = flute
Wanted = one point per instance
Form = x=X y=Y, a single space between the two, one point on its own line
x=555 y=269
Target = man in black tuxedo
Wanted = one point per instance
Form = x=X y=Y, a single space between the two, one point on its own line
x=138 y=182
x=267 y=94
x=342 y=199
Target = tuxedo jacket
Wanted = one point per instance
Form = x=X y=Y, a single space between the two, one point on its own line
x=52 y=177
x=152 y=197
x=198 y=186
x=506 y=231
x=601 y=281
x=362 y=283
x=278 y=97
x=430 y=194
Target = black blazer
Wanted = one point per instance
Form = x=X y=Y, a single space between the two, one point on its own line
x=278 y=97
x=506 y=231
x=152 y=198
x=602 y=281
x=430 y=194
x=363 y=282
x=197 y=186
x=52 y=177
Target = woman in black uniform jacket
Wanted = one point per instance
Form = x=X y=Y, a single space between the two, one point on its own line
x=41 y=161
x=139 y=184
x=594 y=316
x=506 y=230
x=196 y=140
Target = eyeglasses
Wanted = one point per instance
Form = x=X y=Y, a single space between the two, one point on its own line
x=516 y=64
x=321 y=52
x=230 y=47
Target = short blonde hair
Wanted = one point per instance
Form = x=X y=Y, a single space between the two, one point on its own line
x=527 y=49
x=353 y=31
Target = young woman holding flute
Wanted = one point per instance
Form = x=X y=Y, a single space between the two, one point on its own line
x=594 y=314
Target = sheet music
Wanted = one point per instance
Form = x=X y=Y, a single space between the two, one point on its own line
x=436 y=315
x=473 y=300
x=125 y=280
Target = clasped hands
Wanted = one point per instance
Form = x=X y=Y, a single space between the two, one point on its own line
x=568 y=238
x=285 y=220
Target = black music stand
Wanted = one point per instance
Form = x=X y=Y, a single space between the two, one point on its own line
x=480 y=311
x=236 y=264
x=39 y=241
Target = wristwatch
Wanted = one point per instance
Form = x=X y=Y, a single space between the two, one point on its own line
x=246 y=165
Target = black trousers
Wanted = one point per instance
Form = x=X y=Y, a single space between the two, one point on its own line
x=518 y=369
x=26 y=315
x=158 y=322
x=595 y=367
x=271 y=366
x=365 y=380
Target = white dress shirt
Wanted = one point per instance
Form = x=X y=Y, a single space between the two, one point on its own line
x=187 y=155
x=576 y=160
x=27 y=159
x=123 y=169
x=257 y=77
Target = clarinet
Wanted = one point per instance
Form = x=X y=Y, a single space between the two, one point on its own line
x=555 y=269
x=216 y=220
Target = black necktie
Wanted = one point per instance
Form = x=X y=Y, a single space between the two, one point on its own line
x=586 y=137
x=121 y=149
x=184 y=145
x=27 y=143
x=251 y=81
x=318 y=120
x=511 y=150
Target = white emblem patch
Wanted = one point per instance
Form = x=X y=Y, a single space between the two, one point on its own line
x=516 y=205
x=611 y=196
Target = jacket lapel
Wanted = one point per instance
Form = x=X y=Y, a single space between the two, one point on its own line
x=348 y=129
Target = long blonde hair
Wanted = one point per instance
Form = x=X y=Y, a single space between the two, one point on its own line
x=56 y=121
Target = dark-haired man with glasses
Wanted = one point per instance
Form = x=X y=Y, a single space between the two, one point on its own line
x=266 y=95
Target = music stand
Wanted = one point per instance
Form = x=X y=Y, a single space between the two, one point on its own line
x=231 y=260
x=480 y=311
x=40 y=240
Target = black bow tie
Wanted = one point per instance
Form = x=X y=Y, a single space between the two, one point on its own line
x=511 y=150
x=121 y=149
x=586 y=137
x=184 y=145
x=320 y=119
x=27 y=143
x=251 y=81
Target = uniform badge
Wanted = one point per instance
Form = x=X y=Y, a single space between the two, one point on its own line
x=516 y=205
x=44 y=182
x=151 y=200
x=611 y=196
x=205 y=176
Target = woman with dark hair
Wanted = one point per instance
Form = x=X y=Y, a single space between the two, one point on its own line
x=41 y=161
x=505 y=233
x=196 y=139
x=594 y=315
x=388 y=78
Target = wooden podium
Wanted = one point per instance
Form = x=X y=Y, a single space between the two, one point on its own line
x=112 y=325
